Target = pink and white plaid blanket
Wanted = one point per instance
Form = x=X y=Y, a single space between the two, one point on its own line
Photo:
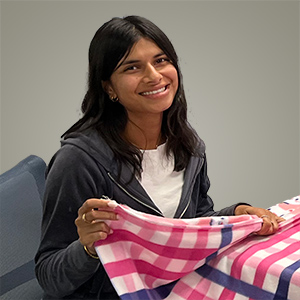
x=150 y=257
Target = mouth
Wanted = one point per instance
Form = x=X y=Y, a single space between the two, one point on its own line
x=154 y=92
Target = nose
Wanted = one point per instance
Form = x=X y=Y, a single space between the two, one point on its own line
x=151 y=75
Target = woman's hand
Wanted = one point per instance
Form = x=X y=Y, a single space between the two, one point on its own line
x=270 y=220
x=91 y=226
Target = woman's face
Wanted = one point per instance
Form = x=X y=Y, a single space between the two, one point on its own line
x=145 y=82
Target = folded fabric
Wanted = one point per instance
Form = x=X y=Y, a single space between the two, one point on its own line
x=150 y=257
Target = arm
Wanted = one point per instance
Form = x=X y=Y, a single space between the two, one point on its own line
x=205 y=207
x=62 y=265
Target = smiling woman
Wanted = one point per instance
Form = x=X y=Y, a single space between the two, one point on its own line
x=145 y=84
x=133 y=144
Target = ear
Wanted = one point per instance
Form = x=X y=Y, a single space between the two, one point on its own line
x=107 y=87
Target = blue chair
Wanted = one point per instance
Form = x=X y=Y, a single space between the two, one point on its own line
x=21 y=192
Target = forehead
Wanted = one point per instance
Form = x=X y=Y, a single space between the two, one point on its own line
x=143 y=46
x=142 y=49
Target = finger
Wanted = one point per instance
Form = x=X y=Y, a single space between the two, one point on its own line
x=101 y=228
x=91 y=217
x=274 y=220
x=88 y=212
x=83 y=220
x=96 y=231
x=92 y=238
x=103 y=215
x=280 y=219
x=98 y=226
x=98 y=216
x=269 y=225
x=83 y=217
x=95 y=203
x=274 y=225
x=266 y=229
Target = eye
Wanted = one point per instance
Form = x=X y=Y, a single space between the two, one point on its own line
x=131 y=68
x=162 y=60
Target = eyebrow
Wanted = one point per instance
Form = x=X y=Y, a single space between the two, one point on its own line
x=128 y=62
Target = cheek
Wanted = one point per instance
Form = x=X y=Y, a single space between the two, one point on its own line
x=176 y=82
x=126 y=86
x=173 y=75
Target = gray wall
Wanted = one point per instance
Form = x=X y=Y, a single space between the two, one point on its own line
x=239 y=59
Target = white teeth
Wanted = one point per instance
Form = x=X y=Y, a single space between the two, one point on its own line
x=154 y=92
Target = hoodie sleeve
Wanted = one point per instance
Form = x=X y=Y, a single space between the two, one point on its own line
x=62 y=265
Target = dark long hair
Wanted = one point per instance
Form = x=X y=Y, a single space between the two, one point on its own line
x=111 y=43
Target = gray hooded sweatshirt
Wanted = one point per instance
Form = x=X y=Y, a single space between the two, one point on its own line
x=84 y=167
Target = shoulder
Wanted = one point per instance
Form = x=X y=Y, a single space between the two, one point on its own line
x=200 y=148
x=69 y=157
x=71 y=165
x=82 y=155
x=73 y=172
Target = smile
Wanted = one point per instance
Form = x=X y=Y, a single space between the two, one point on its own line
x=154 y=92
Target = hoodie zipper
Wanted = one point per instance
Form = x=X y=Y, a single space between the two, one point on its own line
x=133 y=197
x=183 y=212
x=144 y=204
x=185 y=208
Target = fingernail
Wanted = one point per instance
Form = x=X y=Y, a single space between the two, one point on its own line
x=112 y=204
x=111 y=231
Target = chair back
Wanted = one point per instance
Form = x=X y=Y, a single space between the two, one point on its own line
x=21 y=193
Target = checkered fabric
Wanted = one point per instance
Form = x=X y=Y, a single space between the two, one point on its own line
x=150 y=257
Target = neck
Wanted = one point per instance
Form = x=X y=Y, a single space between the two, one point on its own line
x=144 y=135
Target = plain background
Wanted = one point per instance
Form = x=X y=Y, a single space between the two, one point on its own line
x=240 y=65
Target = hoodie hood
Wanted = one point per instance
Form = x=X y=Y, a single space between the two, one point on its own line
x=93 y=145
x=96 y=147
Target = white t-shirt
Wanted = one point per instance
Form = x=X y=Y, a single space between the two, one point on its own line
x=162 y=184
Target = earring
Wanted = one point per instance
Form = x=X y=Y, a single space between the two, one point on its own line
x=116 y=99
